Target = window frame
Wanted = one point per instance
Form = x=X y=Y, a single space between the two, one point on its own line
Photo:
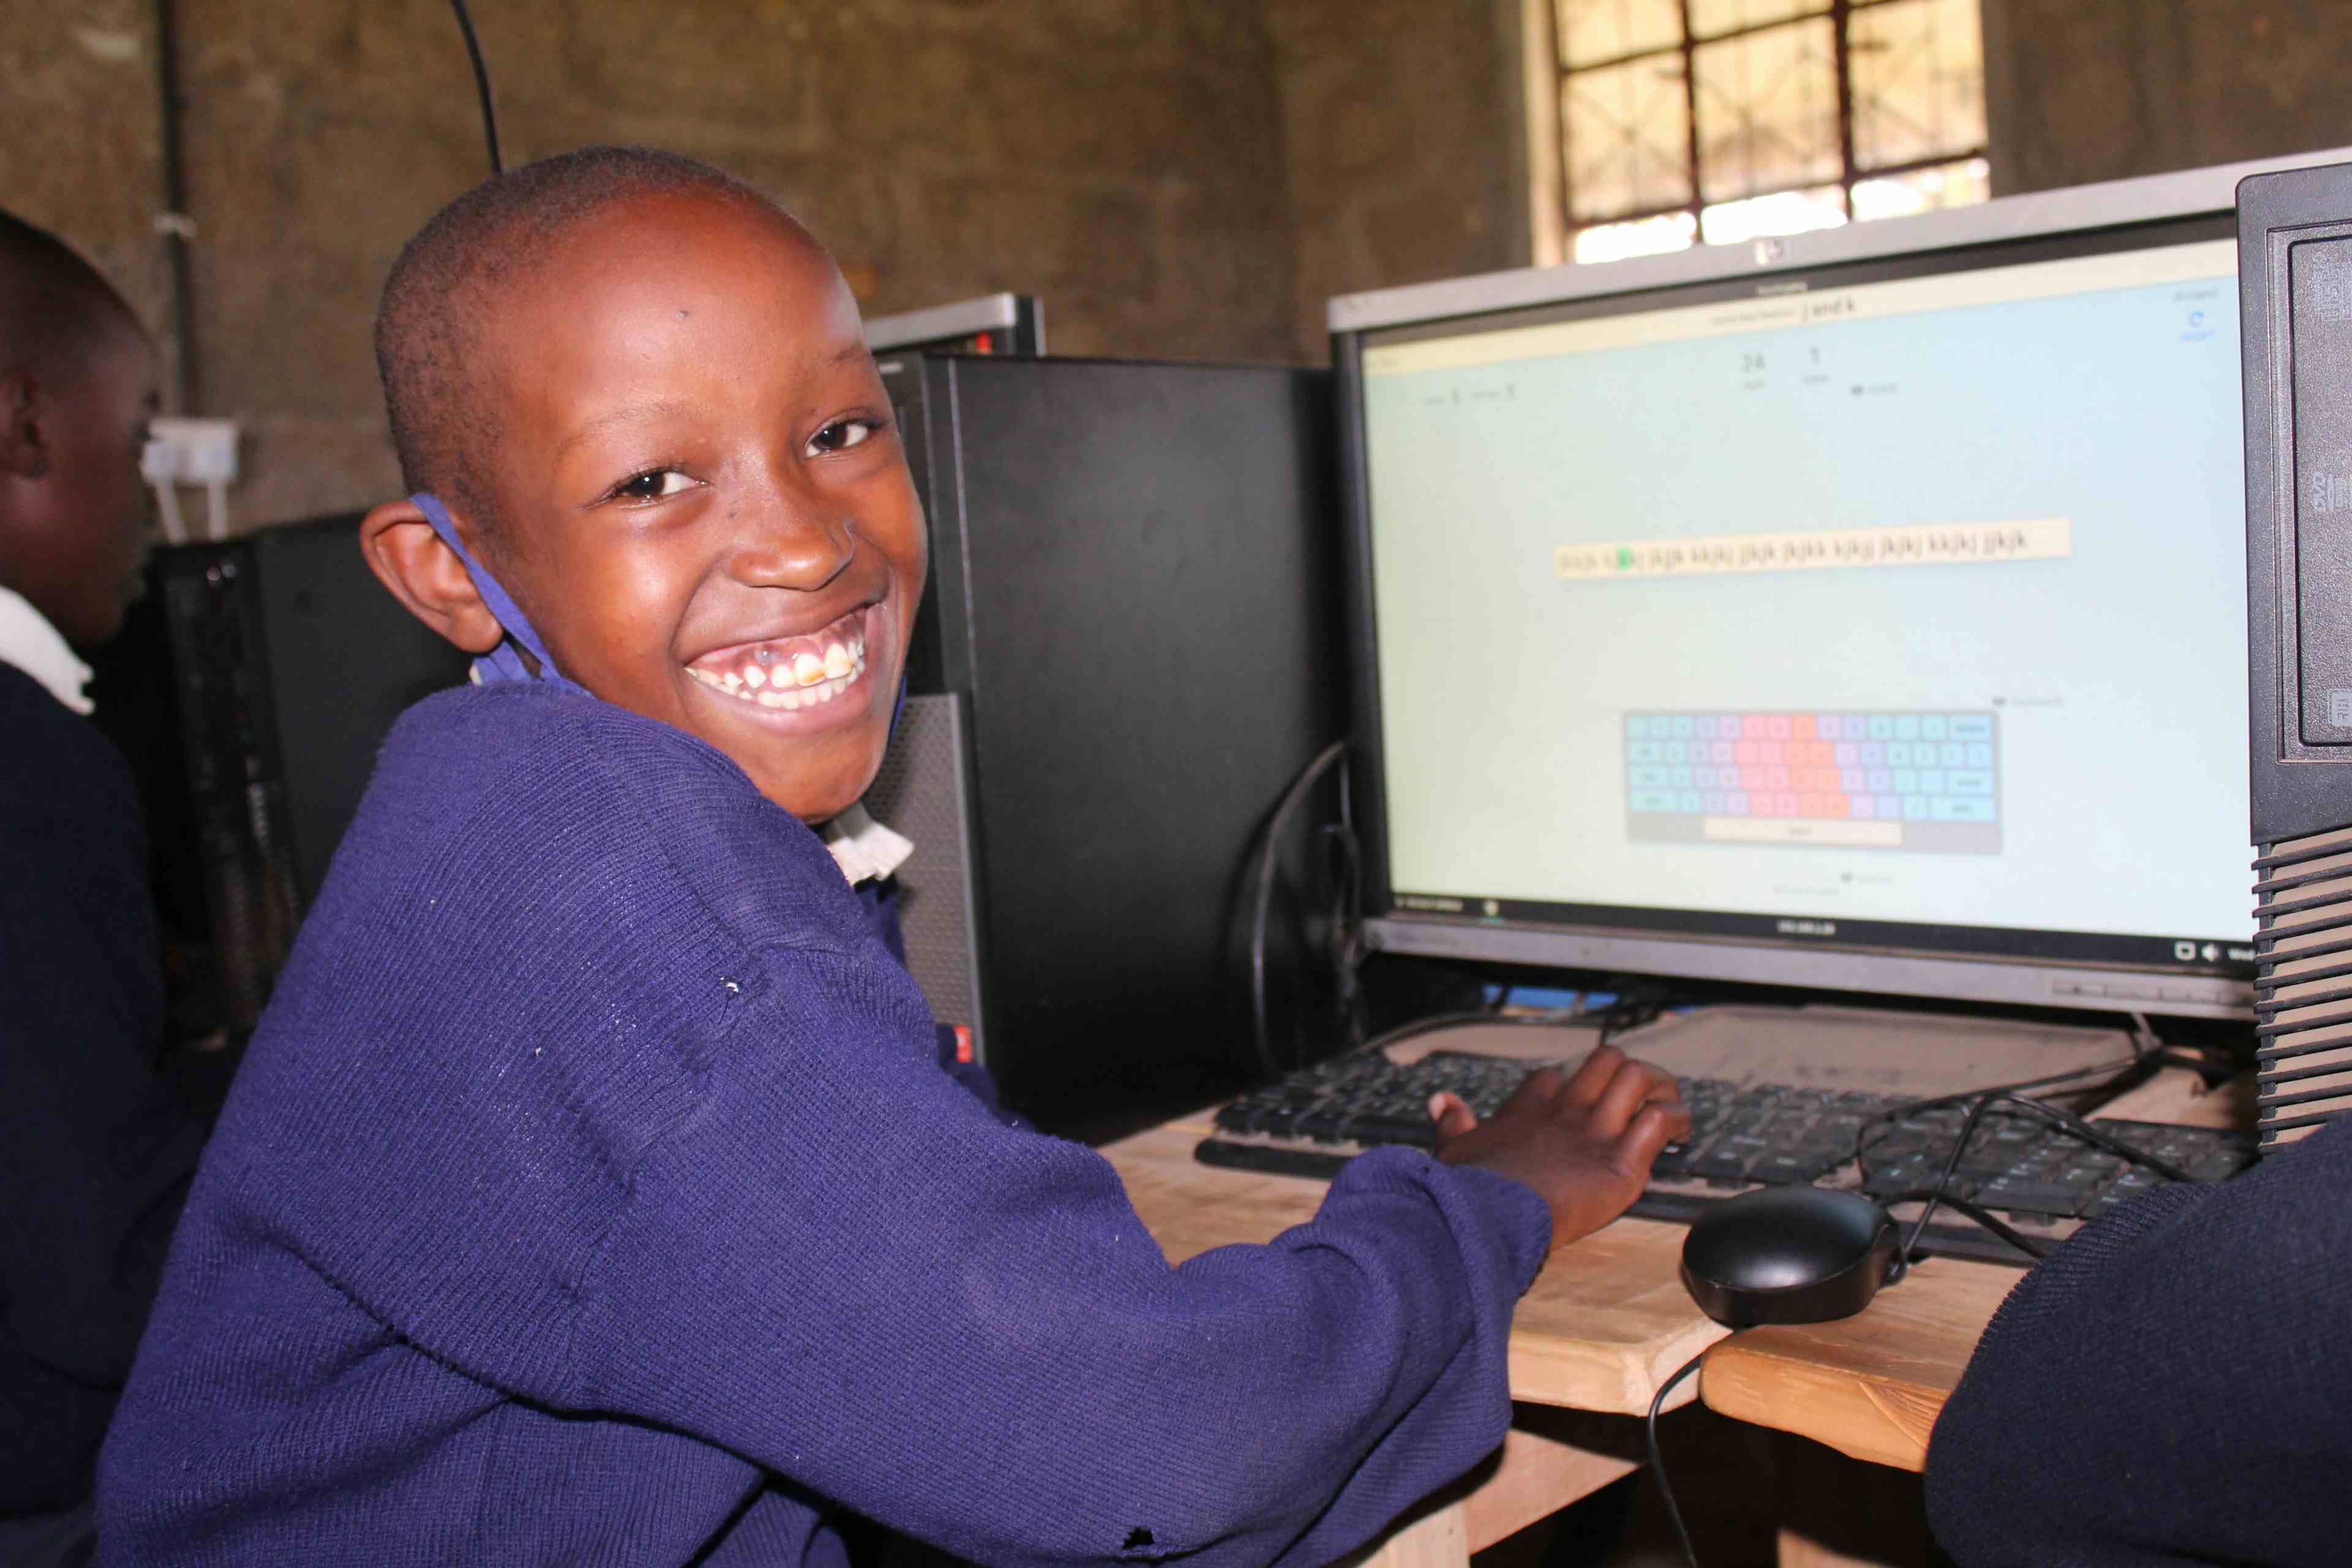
x=1559 y=239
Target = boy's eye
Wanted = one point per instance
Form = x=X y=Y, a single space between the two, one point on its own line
x=651 y=485
x=843 y=434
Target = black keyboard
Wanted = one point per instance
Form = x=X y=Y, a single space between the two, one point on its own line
x=2045 y=1179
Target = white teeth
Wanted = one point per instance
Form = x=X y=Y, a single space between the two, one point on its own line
x=803 y=681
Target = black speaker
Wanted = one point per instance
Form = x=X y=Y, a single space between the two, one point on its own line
x=1130 y=645
x=2294 y=282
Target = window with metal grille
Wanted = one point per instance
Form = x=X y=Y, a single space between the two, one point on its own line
x=1725 y=119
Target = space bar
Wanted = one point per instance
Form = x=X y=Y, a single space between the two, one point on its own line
x=1800 y=830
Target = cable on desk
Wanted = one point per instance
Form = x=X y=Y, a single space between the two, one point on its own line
x=2118 y=1069
x=1941 y=1193
x=1658 y=1460
x=1977 y=1212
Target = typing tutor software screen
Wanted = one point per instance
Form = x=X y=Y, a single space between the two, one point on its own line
x=1915 y=601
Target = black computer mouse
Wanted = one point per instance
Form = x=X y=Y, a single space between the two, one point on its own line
x=1787 y=1255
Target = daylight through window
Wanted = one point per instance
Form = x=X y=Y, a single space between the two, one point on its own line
x=1727 y=120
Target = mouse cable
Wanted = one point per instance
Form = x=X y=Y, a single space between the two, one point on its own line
x=481 y=86
x=2150 y=1050
x=1977 y=1212
x=1940 y=1192
x=1263 y=899
x=1658 y=1459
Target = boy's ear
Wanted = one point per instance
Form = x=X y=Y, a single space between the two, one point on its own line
x=23 y=443
x=426 y=576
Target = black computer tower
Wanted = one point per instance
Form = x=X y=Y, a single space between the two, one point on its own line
x=1128 y=646
x=250 y=689
x=2295 y=281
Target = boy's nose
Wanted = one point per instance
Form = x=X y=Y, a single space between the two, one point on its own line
x=796 y=549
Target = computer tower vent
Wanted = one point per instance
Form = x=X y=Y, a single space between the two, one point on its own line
x=2303 y=983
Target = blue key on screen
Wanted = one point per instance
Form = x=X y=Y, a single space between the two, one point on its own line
x=1683 y=727
x=1649 y=778
x=1931 y=726
x=1690 y=801
x=1914 y=808
x=1971 y=727
x=1682 y=777
x=1949 y=808
x=1715 y=803
x=1931 y=781
x=1906 y=782
x=1980 y=754
x=1906 y=727
x=1881 y=728
x=1898 y=753
x=1653 y=800
x=1969 y=783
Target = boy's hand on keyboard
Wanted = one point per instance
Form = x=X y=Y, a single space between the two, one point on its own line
x=1584 y=1142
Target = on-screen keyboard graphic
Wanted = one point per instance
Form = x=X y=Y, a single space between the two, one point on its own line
x=1890 y=779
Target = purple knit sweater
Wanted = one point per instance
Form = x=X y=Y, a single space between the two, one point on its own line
x=592 y=1195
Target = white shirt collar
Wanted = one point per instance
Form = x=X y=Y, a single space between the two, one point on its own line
x=33 y=645
x=864 y=849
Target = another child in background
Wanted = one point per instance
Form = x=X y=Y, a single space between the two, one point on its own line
x=95 y=1152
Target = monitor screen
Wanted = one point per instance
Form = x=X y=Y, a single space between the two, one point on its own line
x=1819 y=620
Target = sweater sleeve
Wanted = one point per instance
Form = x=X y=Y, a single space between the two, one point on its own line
x=2169 y=1387
x=846 y=1269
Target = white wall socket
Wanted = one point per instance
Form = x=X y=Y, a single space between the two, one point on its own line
x=190 y=452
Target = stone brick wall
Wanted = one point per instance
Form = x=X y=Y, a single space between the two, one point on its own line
x=1121 y=158
x=2077 y=91
x=1404 y=144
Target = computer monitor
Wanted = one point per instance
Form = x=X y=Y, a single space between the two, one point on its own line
x=989 y=324
x=1862 y=610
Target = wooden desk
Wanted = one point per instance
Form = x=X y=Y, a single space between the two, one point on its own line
x=1608 y=1321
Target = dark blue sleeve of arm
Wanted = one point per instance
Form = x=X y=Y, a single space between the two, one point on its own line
x=848 y=1270
x=2171 y=1387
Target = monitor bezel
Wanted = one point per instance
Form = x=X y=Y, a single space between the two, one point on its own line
x=1816 y=959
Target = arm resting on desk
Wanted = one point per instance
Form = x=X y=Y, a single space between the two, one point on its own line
x=2171 y=1387
x=965 y=1331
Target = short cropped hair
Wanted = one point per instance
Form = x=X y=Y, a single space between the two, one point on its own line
x=51 y=300
x=451 y=277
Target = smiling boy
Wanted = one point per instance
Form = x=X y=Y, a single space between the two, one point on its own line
x=591 y=1192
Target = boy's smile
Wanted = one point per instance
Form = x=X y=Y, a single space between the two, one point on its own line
x=703 y=506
